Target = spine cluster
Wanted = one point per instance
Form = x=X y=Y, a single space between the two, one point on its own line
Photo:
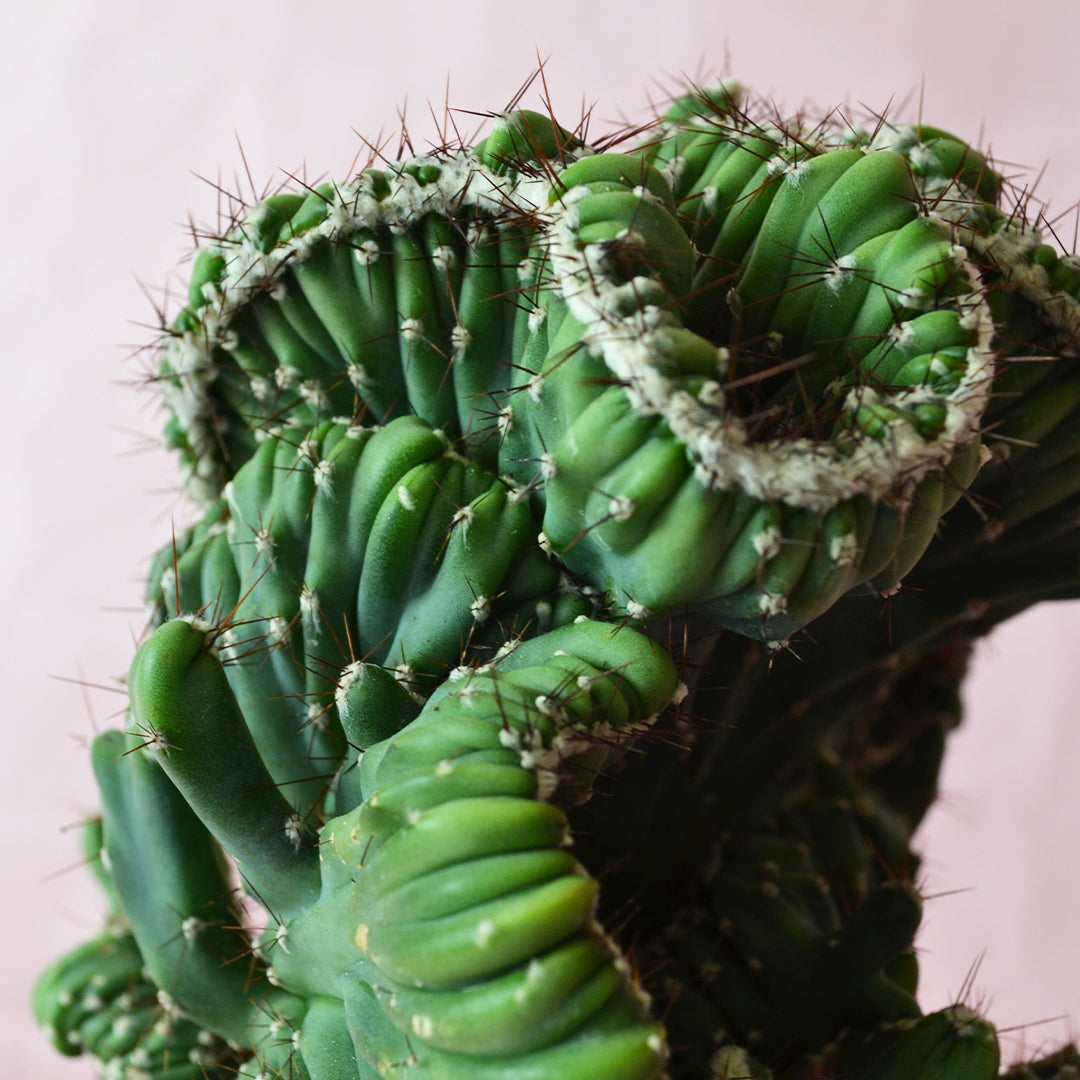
x=520 y=707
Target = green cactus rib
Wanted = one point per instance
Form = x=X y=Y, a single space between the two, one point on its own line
x=743 y=377
x=350 y=547
x=830 y=263
x=443 y=910
x=954 y=1044
x=98 y=1000
x=382 y=294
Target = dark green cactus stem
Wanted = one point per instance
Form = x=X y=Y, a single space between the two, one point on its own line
x=648 y=501
x=101 y=998
x=709 y=463
x=446 y=899
x=954 y=1044
x=1062 y=1065
x=382 y=295
x=351 y=548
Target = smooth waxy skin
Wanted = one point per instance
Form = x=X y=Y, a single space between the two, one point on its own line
x=745 y=379
x=448 y=879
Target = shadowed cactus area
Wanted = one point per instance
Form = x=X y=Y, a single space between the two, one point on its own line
x=593 y=539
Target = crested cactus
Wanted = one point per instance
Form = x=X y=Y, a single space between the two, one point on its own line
x=524 y=468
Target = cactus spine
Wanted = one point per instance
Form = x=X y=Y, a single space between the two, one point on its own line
x=523 y=469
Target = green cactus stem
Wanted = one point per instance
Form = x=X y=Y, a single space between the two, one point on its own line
x=715 y=462
x=446 y=902
x=954 y=1044
x=346 y=547
x=592 y=547
x=383 y=294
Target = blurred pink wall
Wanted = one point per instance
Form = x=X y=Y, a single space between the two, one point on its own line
x=111 y=111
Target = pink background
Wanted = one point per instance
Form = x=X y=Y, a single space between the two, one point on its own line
x=108 y=111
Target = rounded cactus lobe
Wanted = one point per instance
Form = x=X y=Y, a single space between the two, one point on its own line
x=953 y=1043
x=346 y=544
x=449 y=881
x=452 y=843
x=732 y=376
x=551 y=686
x=525 y=140
x=450 y=914
x=382 y=295
x=819 y=431
x=182 y=701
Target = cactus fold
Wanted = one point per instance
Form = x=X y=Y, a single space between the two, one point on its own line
x=520 y=705
x=445 y=898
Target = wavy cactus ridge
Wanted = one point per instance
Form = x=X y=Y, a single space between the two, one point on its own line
x=915 y=435
x=343 y=280
x=798 y=472
x=353 y=545
x=431 y=817
x=588 y=217
x=747 y=377
x=612 y=305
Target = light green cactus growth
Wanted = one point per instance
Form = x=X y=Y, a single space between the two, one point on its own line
x=468 y=740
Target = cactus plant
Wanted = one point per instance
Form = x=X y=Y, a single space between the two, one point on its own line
x=526 y=469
